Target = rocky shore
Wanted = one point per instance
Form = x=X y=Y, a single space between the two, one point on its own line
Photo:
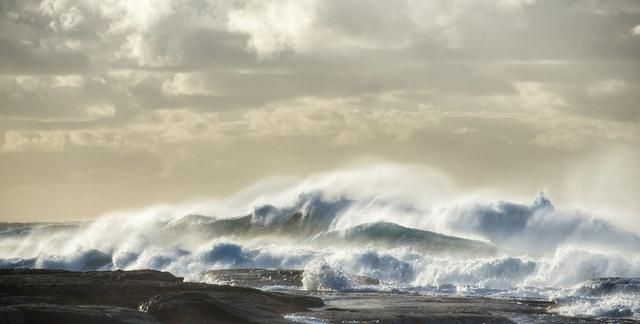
x=145 y=296
x=151 y=297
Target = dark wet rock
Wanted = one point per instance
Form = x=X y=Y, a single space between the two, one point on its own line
x=258 y=278
x=117 y=275
x=22 y=272
x=198 y=307
x=146 y=297
x=68 y=314
x=11 y=315
x=53 y=296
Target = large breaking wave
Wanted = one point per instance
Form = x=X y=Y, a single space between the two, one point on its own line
x=394 y=223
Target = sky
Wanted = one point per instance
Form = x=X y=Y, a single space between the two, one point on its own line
x=119 y=104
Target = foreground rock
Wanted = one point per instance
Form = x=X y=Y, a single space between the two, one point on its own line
x=62 y=314
x=152 y=297
x=43 y=296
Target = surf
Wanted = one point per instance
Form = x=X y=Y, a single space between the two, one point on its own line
x=338 y=228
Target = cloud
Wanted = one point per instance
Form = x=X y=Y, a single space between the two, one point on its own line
x=575 y=133
x=59 y=97
x=167 y=33
x=514 y=4
x=444 y=82
x=635 y=30
x=273 y=26
x=32 y=141
x=149 y=132
x=311 y=26
x=339 y=121
x=187 y=84
x=536 y=97
x=101 y=111
x=333 y=122
x=605 y=87
x=336 y=121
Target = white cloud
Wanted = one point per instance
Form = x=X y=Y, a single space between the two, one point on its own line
x=189 y=84
x=536 y=96
x=274 y=26
x=635 y=30
x=69 y=19
x=311 y=26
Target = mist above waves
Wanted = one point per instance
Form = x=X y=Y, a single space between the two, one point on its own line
x=401 y=224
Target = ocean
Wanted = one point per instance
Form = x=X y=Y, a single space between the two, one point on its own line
x=388 y=231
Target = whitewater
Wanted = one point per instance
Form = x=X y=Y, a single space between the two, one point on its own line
x=402 y=225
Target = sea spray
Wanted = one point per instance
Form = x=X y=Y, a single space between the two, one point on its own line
x=412 y=236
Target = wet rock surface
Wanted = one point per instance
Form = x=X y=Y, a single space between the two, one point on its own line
x=151 y=297
x=62 y=314
x=145 y=296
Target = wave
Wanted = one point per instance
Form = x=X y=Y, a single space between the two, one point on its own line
x=264 y=239
x=607 y=286
x=536 y=228
x=351 y=223
x=319 y=275
x=601 y=297
x=383 y=234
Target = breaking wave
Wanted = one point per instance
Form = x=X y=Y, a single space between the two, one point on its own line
x=602 y=297
x=413 y=235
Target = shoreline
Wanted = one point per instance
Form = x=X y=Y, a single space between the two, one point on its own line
x=152 y=297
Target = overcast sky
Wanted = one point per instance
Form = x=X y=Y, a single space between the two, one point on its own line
x=123 y=103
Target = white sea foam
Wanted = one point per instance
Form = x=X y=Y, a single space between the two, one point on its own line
x=617 y=305
x=304 y=319
x=601 y=297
